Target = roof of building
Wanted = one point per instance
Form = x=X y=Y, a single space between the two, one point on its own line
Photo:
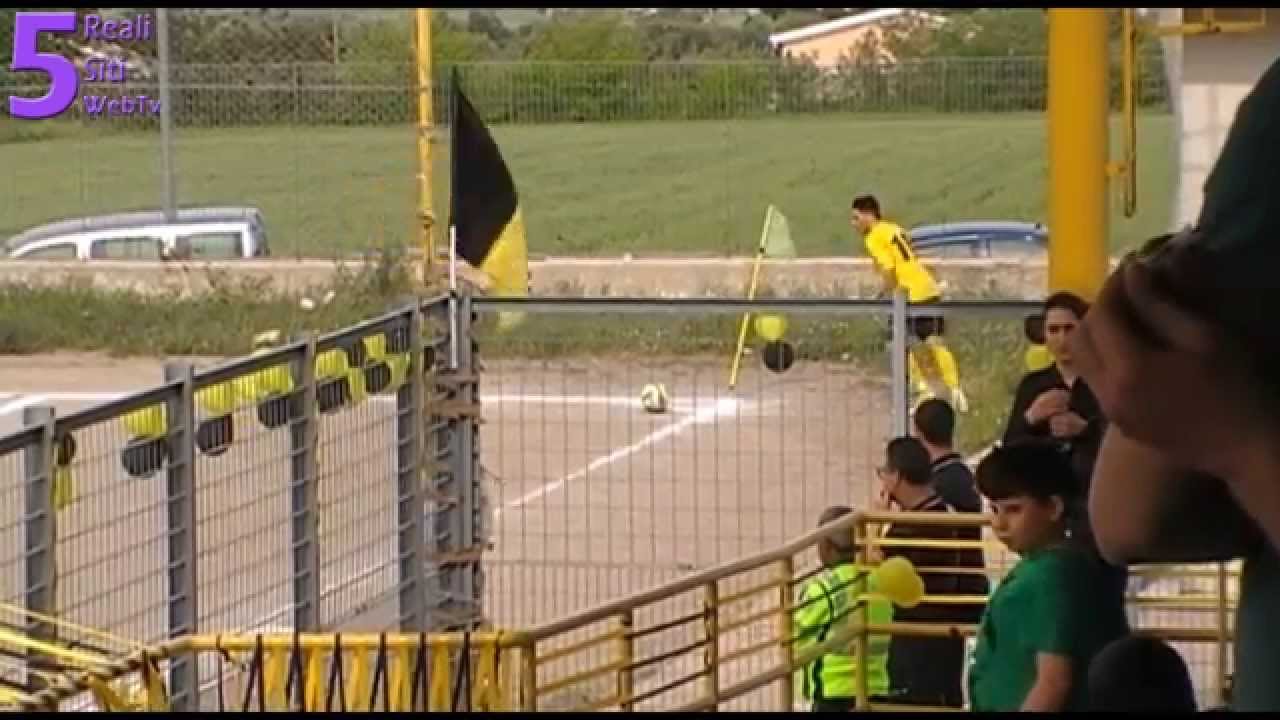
x=844 y=23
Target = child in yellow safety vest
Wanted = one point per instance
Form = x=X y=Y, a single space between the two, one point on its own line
x=828 y=604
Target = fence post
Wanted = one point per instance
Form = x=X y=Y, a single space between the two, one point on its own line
x=180 y=502
x=626 y=657
x=860 y=542
x=411 y=464
x=455 y=545
x=304 y=514
x=168 y=191
x=711 y=654
x=466 y=461
x=41 y=535
x=898 y=363
x=786 y=571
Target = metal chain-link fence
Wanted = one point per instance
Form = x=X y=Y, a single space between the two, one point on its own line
x=325 y=485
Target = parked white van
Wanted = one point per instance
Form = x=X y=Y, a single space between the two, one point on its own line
x=207 y=233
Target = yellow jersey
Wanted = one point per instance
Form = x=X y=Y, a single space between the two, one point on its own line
x=888 y=246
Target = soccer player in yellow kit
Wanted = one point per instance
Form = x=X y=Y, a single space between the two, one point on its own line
x=932 y=366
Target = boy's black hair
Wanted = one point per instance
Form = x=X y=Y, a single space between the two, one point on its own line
x=1140 y=674
x=1069 y=301
x=936 y=422
x=867 y=204
x=1035 y=468
x=908 y=456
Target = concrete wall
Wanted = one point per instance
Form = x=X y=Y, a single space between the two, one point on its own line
x=1216 y=72
x=642 y=277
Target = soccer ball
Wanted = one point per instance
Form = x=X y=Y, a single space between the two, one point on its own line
x=653 y=398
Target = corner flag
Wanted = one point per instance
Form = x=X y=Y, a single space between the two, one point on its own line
x=484 y=208
x=775 y=242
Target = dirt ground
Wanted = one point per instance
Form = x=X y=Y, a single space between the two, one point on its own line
x=590 y=497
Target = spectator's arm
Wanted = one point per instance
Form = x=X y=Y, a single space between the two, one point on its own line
x=1052 y=686
x=1018 y=428
x=1145 y=510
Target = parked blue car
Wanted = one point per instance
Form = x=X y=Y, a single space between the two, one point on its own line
x=995 y=239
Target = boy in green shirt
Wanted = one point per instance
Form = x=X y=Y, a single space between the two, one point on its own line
x=827 y=605
x=1051 y=614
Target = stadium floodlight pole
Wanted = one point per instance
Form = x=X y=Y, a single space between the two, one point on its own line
x=168 y=192
x=1079 y=113
x=426 y=128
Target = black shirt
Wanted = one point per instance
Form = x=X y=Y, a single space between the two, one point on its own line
x=1083 y=448
x=953 y=480
x=940 y=583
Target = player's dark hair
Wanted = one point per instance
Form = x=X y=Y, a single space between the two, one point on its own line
x=867 y=204
x=1034 y=468
x=936 y=422
x=1140 y=674
x=910 y=459
x=1069 y=301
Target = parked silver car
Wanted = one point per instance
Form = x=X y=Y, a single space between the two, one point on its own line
x=203 y=233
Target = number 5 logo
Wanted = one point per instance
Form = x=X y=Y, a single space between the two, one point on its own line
x=64 y=81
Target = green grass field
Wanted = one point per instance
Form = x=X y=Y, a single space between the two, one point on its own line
x=594 y=189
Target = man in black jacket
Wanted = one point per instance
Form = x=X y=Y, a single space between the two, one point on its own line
x=928 y=670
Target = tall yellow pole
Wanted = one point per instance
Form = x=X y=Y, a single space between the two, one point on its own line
x=426 y=126
x=1078 y=150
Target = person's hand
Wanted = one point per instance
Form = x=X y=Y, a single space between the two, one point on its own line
x=1066 y=425
x=1169 y=379
x=1047 y=404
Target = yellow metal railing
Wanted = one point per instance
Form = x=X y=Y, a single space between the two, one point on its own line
x=716 y=639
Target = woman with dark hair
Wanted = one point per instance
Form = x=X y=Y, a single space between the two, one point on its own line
x=1055 y=403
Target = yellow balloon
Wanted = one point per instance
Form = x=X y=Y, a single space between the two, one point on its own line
x=331 y=364
x=218 y=400
x=771 y=327
x=149 y=422
x=254 y=387
x=399 y=365
x=355 y=381
x=1037 y=357
x=375 y=346
x=63 y=491
x=897 y=580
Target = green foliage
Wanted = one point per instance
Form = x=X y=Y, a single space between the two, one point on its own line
x=586 y=38
x=79 y=317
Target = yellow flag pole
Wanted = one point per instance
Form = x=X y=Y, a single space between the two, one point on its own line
x=751 y=295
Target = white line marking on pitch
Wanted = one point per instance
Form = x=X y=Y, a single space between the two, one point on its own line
x=722 y=407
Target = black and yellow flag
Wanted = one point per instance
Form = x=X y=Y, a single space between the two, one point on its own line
x=484 y=206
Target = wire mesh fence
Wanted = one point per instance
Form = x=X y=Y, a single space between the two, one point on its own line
x=339 y=485
x=309 y=115
x=286 y=490
x=596 y=497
